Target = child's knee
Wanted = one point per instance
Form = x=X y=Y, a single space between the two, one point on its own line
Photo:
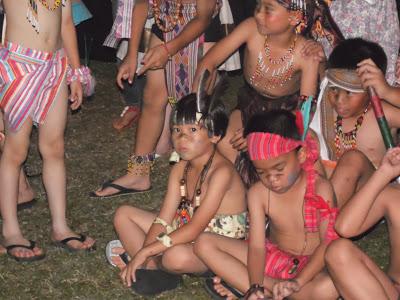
x=52 y=149
x=203 y=244
x=176 y=259
x=338 y=253
x=121 y=214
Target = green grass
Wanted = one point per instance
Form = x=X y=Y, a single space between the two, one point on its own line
x=94 y=153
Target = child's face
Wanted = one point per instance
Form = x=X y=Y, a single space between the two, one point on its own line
x=191 y=140
x=280 y=173
x=347 y=104
x=271 y=17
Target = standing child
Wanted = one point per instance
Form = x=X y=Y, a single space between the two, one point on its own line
x=345 y=119
x=355 y=275
x=299 y=206
x=33 y=91
x=204 y=193
x=277 y=74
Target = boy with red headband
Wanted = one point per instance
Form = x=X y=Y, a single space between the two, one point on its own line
x=299 y=206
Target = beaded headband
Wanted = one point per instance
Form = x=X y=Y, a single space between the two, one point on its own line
x=265 y=145
x=294 y=5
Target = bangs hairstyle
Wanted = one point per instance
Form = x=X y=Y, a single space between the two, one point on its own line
x=184 y=113
x=350 y=52
x=280 y=122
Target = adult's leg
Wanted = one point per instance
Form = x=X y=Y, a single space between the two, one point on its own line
x=131 y=225
x=14 y=154
x=51 y=147
x=149 y=126
x=355 y=275
x=234 y=125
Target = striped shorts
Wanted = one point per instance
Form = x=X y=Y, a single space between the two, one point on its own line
x=29 y=83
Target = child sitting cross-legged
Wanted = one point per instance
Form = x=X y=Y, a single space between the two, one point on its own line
x=204 y=193
x=299 y=209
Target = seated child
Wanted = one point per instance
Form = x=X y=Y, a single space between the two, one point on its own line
x=275 y=70
x=33 y=91
x=299 y=206
x=344 y=103
x=204 y=193
x=355 y=275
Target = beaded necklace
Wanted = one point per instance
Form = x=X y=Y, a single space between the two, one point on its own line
x=171 y=17
x=347 y=140
x=267 y=77
x=32 y=13
x=183 y=213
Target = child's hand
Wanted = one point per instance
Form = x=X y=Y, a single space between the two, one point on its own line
x=284 y=289
x=372 y=76
x=238 y=142
x=76 y=94
x=390 y=165
x=257 y=295
x=314 y=50
x=126 y=71
x=155 y=58
x=128 y=275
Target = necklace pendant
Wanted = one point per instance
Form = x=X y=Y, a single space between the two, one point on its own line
x=32 y=15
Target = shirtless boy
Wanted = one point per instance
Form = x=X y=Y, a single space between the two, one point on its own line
x=33 y=91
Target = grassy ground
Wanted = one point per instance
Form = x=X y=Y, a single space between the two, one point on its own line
x=94 y=153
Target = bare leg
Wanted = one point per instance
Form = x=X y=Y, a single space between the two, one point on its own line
x=355 y=275
x=14 y=153
x=181 y=259
x=224 y=146
x=149 y=128
x=352 y=171
x=51 y=146
x=164 y=145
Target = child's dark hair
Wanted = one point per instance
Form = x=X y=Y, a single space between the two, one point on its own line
x=280 y=122
x=215 y=120
x=350 y=52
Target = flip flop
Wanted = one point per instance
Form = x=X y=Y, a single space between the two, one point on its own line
x=64 y=244
x=24 y=259
x=210 y=288
x=26 y=205
x=110 y=254
x=153 y=282
x=122 y=191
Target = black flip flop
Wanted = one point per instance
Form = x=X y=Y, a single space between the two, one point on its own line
x=122 y=191
x=24 y=259
x=26 y=205
x=153 y=282
x=64 y=244
x=210 y=288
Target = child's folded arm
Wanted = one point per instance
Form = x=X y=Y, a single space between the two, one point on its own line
x=218 y=183
x=256 y=252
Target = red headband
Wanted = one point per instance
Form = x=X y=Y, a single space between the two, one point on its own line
x=264 y=145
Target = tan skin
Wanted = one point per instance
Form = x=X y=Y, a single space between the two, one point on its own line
x=277 y=24
x=56 y=29
x=355 y=275
x=222 y=193
x=155 y=91
x=281 y=188
x=351 y=105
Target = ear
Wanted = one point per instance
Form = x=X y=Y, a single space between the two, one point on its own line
x=295 y=18
x=302 y=155
x=215 y=139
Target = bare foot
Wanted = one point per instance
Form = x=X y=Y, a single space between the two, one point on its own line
x=117 y=260
x=128 y=181
x=222 y=290
x=129 y=115
x=2 y=250
x=76 y=243
x=21 y=253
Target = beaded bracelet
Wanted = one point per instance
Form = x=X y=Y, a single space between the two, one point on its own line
x=254 y=288
x=164 y=239
x=84 y=75
x=167 y=50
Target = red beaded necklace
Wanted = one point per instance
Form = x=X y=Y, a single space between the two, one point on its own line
x=347 y=140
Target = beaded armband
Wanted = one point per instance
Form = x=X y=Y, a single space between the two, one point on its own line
x=164 y=239
x=167 y=227
x=254 y=288
x=82 y=74
x=304 y=98
x=172 y=101
x=141 y=165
